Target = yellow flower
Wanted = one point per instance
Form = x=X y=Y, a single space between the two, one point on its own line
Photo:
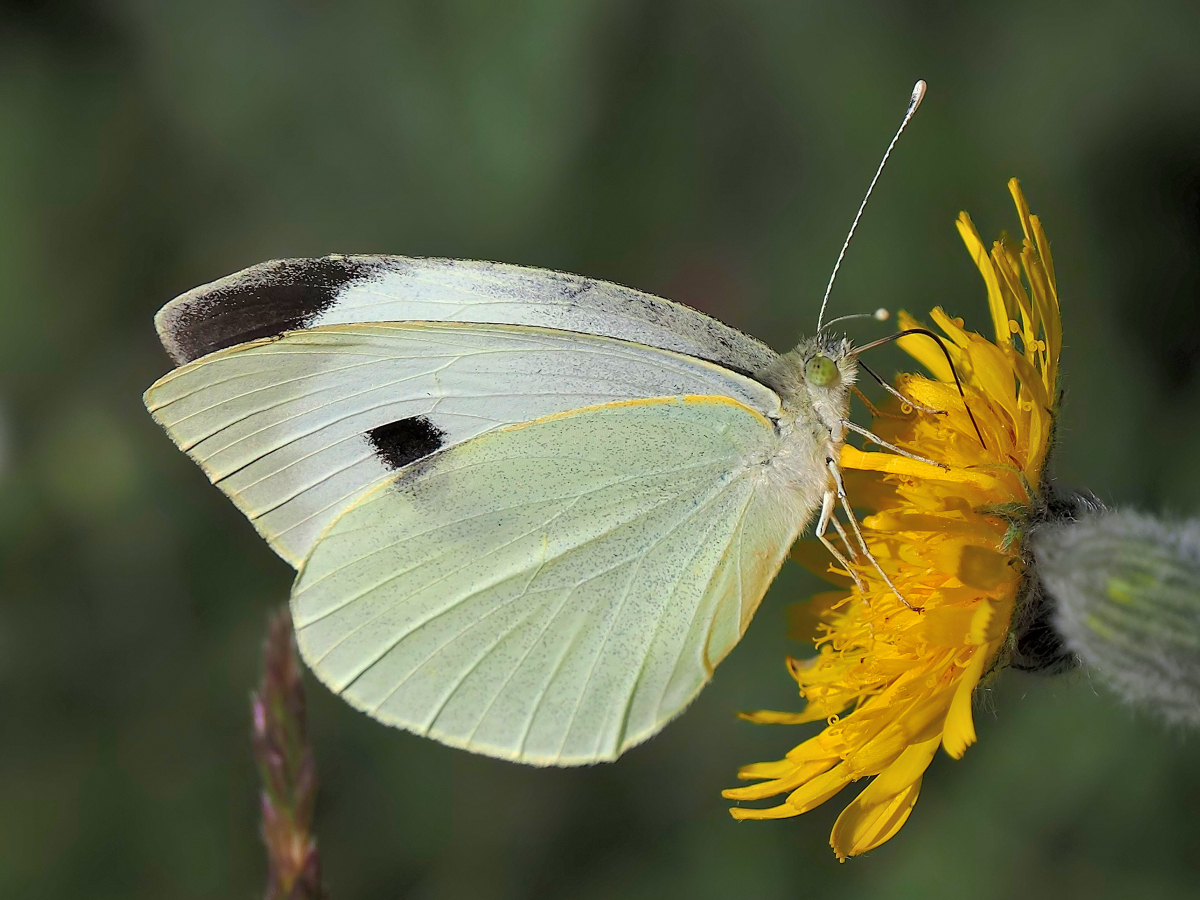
x=901 y=680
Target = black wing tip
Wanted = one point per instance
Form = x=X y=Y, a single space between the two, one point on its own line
x=271 y=298
x=264 y=300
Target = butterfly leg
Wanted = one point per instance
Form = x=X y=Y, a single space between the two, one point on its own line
x=827 y=516
x=875 y=412
x=875 y=439
x=841 y=495
x=837 y=525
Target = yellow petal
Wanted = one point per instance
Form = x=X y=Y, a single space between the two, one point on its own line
x=986 y=625
x=1053 y=316
x=853 y=458
x=995 y=376
x=944 y=523
x=983 y=568
x=819 y=789
x=1032 y=386
x=976 y=567
x=923 y=349
x=877 y=813
x=783 y=811
x=983 y=262
x=1014 y=188
x=771 y=717
x=771 y=770
x=1008 y=268
x=959 y=733
x=788 y=782
x=855 y=832
x=954 y=330
x=947 y=626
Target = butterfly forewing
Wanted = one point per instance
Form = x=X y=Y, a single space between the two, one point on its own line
x=272 y=298
x=553 y=592
x=295 y=429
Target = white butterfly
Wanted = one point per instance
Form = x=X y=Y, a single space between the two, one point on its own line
x=530 y=511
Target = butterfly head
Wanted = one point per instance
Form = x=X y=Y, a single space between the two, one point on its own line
x=818 y=376
x=829 y=367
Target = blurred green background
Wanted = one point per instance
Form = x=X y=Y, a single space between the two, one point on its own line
x=710 y=151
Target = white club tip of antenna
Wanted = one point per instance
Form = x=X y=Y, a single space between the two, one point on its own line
x=918 y=95
x=881 y=314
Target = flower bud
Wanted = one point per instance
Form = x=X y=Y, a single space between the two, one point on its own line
x=1126 y=591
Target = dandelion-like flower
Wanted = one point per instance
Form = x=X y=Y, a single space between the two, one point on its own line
x=892 y=682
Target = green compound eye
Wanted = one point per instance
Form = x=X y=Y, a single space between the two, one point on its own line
x=821 y=371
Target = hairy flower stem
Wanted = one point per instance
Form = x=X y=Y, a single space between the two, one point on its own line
x=286 y=767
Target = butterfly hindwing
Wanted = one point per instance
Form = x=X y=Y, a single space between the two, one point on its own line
x=296 y=428
x=553 y=592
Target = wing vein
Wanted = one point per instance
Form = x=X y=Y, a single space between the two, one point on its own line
x=625 y=597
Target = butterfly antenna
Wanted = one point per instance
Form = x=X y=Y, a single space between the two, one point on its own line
x=918 y=94
x=880 y=315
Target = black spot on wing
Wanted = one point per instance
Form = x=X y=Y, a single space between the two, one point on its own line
x=405 y=441
x=263 y=301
